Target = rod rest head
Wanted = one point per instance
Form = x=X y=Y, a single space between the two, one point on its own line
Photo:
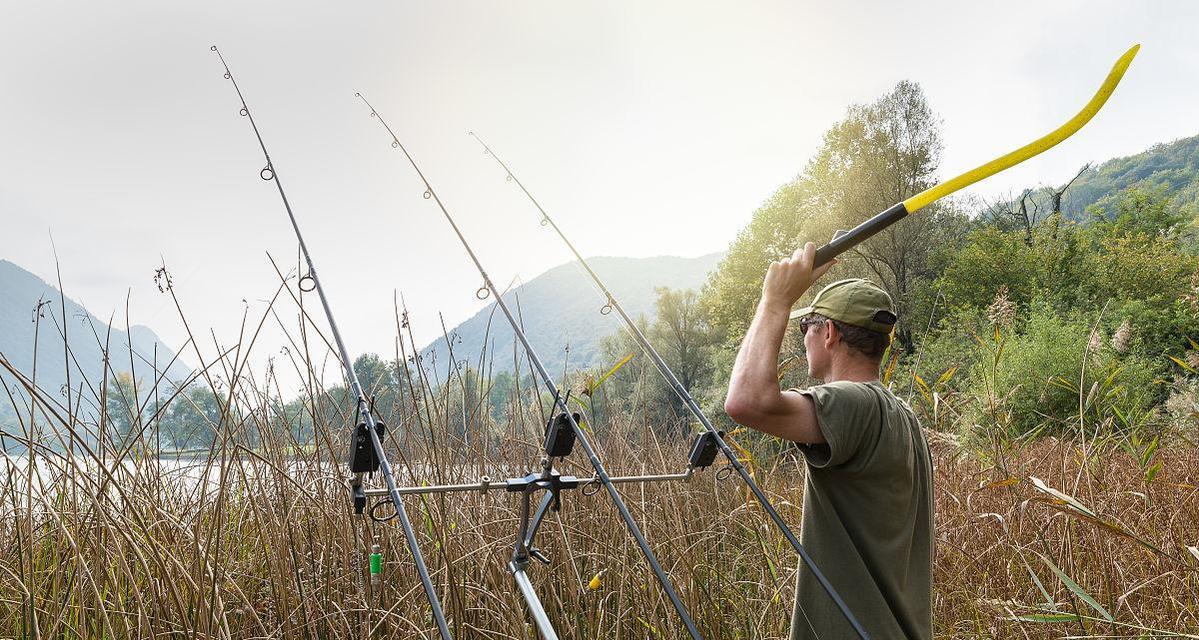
x=552 y=482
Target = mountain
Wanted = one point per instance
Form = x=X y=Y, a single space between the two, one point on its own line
x=25 y=298
x=1172 y=167
x=560 y=311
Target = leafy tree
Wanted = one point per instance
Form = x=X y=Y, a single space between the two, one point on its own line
x=194 y=419
x=880 y=154
x=381 y=384
x=1137 y=210
x=503 y=385
x=121 y=407
x=682 y=336
x=1051 y=267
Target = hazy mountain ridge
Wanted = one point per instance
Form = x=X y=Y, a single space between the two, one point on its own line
x=1172 y=167
x=560 y=309
x=29 y=306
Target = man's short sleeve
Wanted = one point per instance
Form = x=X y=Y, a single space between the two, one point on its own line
x=848 y=416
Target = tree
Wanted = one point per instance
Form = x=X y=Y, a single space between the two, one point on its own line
x=879 y=154
x=1137 y=210
x=380 y=383
x=194 y=419
x=121 y=407
x=683 y=337
x=1051 y=267
x=502 y=387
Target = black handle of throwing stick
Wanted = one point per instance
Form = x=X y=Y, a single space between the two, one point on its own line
x=842 y=243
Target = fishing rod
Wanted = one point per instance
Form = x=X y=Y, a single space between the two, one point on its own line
x=565 y=421
x=842 y=242
x=707 y=429
x=367 y=454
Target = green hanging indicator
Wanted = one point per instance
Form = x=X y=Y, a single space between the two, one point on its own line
x=376 y=564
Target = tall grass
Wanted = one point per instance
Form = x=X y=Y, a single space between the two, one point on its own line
x=254 y=537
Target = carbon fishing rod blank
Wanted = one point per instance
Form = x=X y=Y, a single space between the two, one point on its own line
x=363 y=409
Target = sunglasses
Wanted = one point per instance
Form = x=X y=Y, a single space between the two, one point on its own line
x=809 y=322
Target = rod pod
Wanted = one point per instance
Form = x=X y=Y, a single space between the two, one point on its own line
x=559 y=441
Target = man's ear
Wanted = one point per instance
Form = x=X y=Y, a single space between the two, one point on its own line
x=831 y=335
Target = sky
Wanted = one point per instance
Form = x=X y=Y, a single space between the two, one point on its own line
x=645 y=128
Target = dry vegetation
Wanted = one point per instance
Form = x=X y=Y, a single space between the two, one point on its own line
x=255 y=537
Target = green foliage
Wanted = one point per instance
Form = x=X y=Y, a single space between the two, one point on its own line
x=683 y=337
x=733 y=289
x=1039 y=377
x=1171 y=169
x=952 y=347
x=1049 y=267
x=1138 y=210
x=121 y=405
x=1131 y=265
x=879 y=154
x=192 y=420
x=503 y=385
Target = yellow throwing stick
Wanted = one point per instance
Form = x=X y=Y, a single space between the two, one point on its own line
x=1046 y=142
x=847 y=240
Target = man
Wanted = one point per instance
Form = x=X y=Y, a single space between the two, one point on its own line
x=868 y=505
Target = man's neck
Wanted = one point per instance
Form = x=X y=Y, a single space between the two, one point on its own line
x=851 y=369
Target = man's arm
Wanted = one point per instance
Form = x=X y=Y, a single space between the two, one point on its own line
x=754 y=398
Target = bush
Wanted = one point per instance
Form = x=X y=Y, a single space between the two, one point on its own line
x=1029 y=379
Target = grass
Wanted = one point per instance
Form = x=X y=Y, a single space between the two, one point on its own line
x=258 y=541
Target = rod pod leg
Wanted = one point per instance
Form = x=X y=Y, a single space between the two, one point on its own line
x=520 y=561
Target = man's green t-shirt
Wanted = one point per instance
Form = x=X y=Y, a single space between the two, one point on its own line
x=867 y=517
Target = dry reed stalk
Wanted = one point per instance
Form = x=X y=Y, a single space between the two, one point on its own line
x=254 y=538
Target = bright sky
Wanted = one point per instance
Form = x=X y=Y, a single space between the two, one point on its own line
x=646 y=128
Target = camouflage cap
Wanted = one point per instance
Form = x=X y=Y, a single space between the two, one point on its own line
x=855 y=301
